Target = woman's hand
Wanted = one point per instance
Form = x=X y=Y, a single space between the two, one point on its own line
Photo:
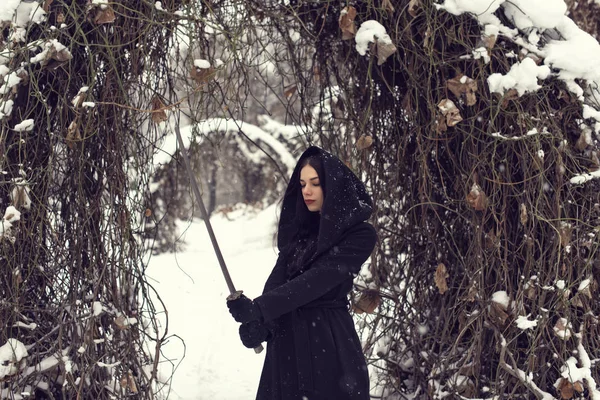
x=253 y=333
x=244 y=310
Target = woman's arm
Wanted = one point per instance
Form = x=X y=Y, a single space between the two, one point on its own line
x=341 y=262
x=278 y=275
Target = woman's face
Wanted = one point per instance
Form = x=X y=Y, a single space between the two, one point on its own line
x=311 y=188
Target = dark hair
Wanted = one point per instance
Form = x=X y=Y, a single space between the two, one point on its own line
x=306 y=220
x=306 y=223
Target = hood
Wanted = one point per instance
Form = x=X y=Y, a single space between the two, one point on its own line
x=346 y=202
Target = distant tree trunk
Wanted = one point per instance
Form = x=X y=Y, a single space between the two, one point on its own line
x=253 y=185
x=212 y=189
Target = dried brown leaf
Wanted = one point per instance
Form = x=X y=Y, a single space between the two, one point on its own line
x=497 y=313
x=489 y=42
x=595 y=159
x=530 y=292
x=346 y=22
x=46 y=5
x=128 y=381
x=440 y=278
x=587 y=290
x=566 y=389
x=491 y=240
x=462 y=85
x=364 y=142
x=387 y=5
x=450 y=111
x=73 y=134
x=61 y=55
x=384 y=50
x=289 y=91
x=477 y=198
x=584 y=140
x=20 y=198
x=427 y=37
x=122 y=322
x=158 y=111
x=440 y=124
x=104 y=15
x=202 y=75
x=562 y=329
x=369 y=300
x=413 y=7
x=131 y=383
x=510 y=94
x=565 y=230
x=523 y=214
x=578 y=386
x=473 y=293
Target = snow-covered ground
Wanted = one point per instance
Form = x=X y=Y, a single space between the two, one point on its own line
x=216 y=365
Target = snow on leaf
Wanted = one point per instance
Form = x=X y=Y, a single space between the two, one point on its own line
x=585 y=288
x=12 y=355
x=7 y=10
x=25 y=125
x=201 y=74
x=10 y=81
x=476 y=7
x=562 y=329
x=523 y=77
x=501 y=298
x=6 y=108
x=202 y=64
x=369 y=32
x=12 y=215
x=20 y=194
x=524 y=323
x=97 y=308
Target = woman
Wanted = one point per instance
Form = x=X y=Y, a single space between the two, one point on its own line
x=313 y=351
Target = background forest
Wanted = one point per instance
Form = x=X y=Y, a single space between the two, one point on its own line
x=474 y=124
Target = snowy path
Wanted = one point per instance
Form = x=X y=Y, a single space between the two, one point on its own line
x=216 y=365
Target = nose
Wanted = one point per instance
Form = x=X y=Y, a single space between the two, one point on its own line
x=306 y=191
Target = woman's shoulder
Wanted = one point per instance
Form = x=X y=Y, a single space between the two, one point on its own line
x=362 y=231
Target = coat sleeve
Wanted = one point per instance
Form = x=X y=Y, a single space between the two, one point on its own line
x=340 y=263
x=278 y=275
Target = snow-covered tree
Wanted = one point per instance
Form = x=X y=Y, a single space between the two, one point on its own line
x=475 y=124
x=80 y=83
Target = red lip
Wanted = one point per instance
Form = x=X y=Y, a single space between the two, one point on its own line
x=309 y=201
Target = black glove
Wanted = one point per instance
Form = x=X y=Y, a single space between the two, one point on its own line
x=244 y=310
x=253 y=333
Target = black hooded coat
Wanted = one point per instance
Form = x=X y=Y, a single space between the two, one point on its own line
x=314 y=352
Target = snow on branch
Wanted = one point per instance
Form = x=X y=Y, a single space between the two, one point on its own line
x=225 y=126
x=526 y=379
